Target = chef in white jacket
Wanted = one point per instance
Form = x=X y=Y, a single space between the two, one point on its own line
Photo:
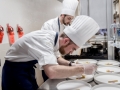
x=67 y=14
x=39 y=47
x=58 y=24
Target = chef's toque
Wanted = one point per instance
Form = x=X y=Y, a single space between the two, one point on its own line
x=81 y=30
x=69 y=7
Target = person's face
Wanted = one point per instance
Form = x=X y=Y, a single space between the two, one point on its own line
x=68 y=49
x=67 y=19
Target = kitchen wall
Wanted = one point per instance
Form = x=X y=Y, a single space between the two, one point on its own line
x=29 y=14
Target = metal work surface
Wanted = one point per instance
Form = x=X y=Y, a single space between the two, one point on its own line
x=51 y=84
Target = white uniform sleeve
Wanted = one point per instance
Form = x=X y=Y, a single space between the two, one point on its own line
x=57 y=54
x=41 y=48
x=47 y=26
x=51 y=24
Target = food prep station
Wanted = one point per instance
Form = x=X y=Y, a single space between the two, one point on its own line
x=106 y=76
x=102 y=50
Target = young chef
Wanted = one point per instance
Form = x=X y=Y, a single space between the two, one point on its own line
x=39 y=47
x=67 y=14
x=58 y=24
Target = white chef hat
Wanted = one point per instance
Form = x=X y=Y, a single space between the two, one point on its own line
x=81 y=30
x=69 y=7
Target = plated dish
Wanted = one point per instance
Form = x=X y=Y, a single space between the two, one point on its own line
x=86 y=78
x=108 y=78
x=85 y=61
x=73 y=85
x=108 y=63
x=106 y=87
x=108 y=69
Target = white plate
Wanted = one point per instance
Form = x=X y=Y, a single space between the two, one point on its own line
x=73 y=85
x=108 y=63
x=108 y=69
x=106 y=87
x=87 y=78
x=86 y=61
x=105 y=77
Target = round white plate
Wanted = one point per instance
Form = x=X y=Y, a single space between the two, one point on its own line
x=73 y=85
x=87 y=78
x=108 y=69
x=106 y=78
x=106 y=87
x=108 y=63
x=86 y=61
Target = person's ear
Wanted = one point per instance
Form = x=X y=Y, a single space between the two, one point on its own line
x=66 y=41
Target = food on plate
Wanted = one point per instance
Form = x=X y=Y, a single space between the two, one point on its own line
x=109 y=71
x=87 y=62
x=109 y=64
x=81 y=77
x=112 y=81
x=77 y=62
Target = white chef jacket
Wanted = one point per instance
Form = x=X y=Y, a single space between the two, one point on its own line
x=54 y=25
x=37 y=45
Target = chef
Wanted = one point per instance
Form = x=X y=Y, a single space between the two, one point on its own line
x=58 y=24
x=39 y=47
x=67 y=14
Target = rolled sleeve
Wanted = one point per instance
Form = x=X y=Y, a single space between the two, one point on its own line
x=41 y=48
x=47 y=59
x=57 y=54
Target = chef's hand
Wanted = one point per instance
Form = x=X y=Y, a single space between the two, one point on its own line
x=81 y=72
x=89 y=69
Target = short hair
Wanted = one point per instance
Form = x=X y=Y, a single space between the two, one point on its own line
x=63 y=35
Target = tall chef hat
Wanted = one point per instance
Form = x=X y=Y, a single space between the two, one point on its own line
x=69 y=7
x=81 y=30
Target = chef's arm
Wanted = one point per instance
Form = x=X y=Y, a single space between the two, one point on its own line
x=60 y=71
x=62 y=61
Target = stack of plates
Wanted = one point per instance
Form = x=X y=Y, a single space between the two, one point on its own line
x=73 y=85
x=85 y=61
x=106 y=87
x=87 y=78
x=108 y=63
x=108 y=78
x=108 y=69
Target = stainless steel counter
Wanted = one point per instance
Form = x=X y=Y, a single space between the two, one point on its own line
x=51 y=84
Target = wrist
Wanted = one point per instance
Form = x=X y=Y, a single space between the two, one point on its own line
x=70 y=63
